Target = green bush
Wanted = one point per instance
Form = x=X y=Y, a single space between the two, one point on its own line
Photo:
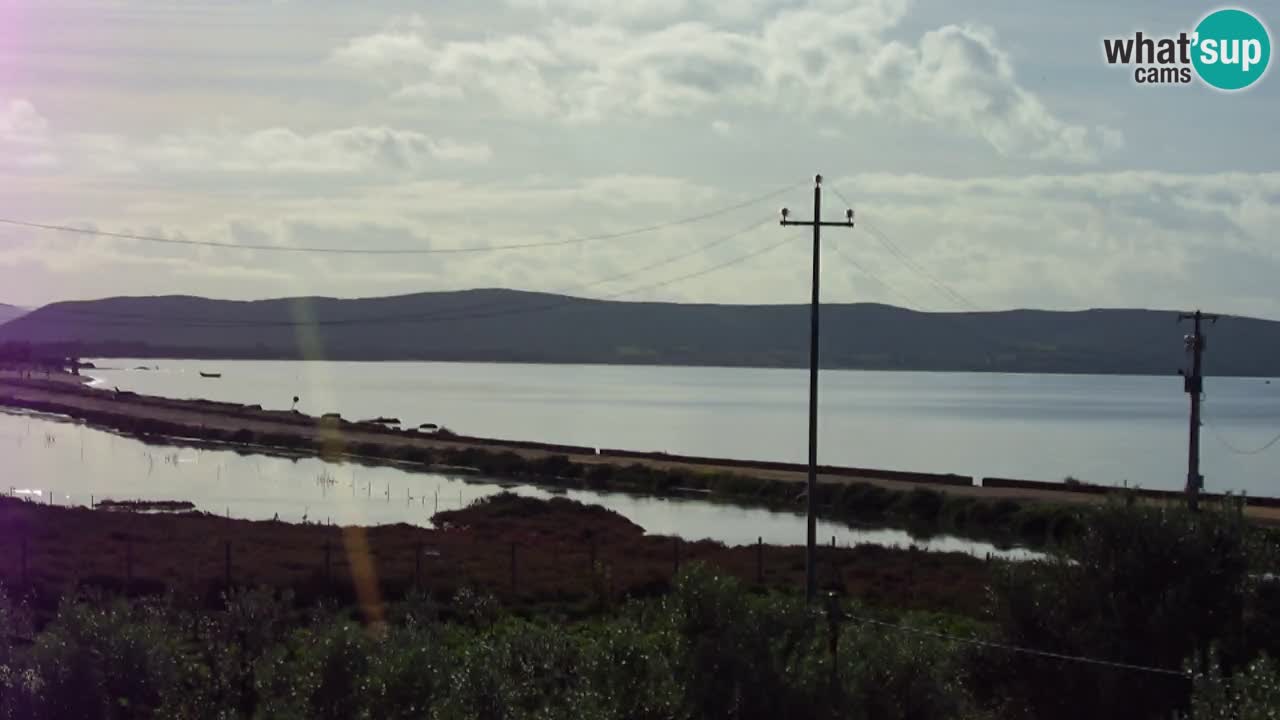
x=1252 y=694
x=101 y=659
x=1143 y=585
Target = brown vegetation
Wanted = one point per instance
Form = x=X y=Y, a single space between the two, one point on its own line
x=553 y=542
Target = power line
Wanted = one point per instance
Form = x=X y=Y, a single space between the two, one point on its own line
x=402 y=251
x=452 y=314
x=897 y=252
x=1018 y=649
x=907 y=301
x=1233 y=448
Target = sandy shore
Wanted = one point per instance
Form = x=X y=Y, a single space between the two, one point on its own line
x=67 y=394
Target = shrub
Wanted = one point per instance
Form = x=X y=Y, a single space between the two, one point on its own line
x=1142 y=585
x=1253 y=693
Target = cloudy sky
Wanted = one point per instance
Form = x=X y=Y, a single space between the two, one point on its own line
x=987 y=143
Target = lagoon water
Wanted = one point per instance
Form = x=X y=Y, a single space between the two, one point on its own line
x=1101 y=429
x=54 y=460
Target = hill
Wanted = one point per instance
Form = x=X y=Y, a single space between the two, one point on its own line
x=10 y=312
x=513 y=326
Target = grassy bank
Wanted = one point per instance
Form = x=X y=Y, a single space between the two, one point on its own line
x=1155 y=614
x=556 y=556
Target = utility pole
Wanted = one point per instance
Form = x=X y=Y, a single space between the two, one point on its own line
x=810 y=557
x=1193 y=384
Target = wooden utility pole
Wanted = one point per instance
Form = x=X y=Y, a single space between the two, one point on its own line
x=810 y=567
x=1193 y=384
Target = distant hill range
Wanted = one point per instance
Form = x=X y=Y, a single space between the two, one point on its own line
x=9 y=312
x=513 y=326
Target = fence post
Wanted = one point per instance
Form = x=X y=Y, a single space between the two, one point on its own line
x=835 y=571
x=417 y=565
x=328 y=574
x=833 y=641
x=593 y=577
x=513 y=571
x=911 y=577
x=760 y=560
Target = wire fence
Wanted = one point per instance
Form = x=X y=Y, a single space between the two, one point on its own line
x=344 y=565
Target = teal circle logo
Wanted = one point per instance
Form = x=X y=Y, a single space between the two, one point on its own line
x=1231 y=49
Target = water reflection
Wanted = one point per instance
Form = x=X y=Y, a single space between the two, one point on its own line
x=51 y=459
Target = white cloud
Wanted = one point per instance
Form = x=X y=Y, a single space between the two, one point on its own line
x=347 y=150
x=723 y=128
x=622 y=10
x=958 y=77
x=279 y=150
x=26 y=142
x=24 y=136
x=429 y=91
x=817 y=58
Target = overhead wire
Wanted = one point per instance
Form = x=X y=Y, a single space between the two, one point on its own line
x=1238 y=451
x=459 y=313
x=403 y=251
x=1213 y=430
x=893 y=249
x=893 y=292
x=1019 y=649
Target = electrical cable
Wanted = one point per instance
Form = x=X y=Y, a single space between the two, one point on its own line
x=1019 y=649
x=871 y=229
x=403 y=251
x=908 y=303
x=150 y=320
x=1213 y=429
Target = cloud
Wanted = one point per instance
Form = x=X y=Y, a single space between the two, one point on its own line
x=958 y=77
x=723 y=128
x=818 y=57
x=621 y=10
x=1129 y=239
x=429 y=91
x=24 y=137
x=282 y=150
x=27 y=142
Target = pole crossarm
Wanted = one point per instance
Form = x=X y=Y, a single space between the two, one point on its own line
x=825 y=223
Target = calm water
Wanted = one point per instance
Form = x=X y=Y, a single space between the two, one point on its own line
x=51 y=459
x=1103 y=429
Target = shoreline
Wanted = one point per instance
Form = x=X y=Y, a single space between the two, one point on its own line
x=622 y=363
x=531 y=553
x=858 y=494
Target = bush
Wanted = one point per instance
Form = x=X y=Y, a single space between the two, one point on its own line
x=101 y=659
x=1142 y=585
x=1252 y=694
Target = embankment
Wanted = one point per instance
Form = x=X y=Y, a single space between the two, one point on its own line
x=1031 y=513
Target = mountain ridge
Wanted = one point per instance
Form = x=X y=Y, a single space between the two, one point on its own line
x=502 y=325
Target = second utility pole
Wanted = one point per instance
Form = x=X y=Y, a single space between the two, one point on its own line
x=1194 y=385
x=810 y=557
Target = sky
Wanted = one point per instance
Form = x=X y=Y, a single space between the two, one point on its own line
x=993 y=158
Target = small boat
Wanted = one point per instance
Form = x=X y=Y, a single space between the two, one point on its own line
x=210 y=375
